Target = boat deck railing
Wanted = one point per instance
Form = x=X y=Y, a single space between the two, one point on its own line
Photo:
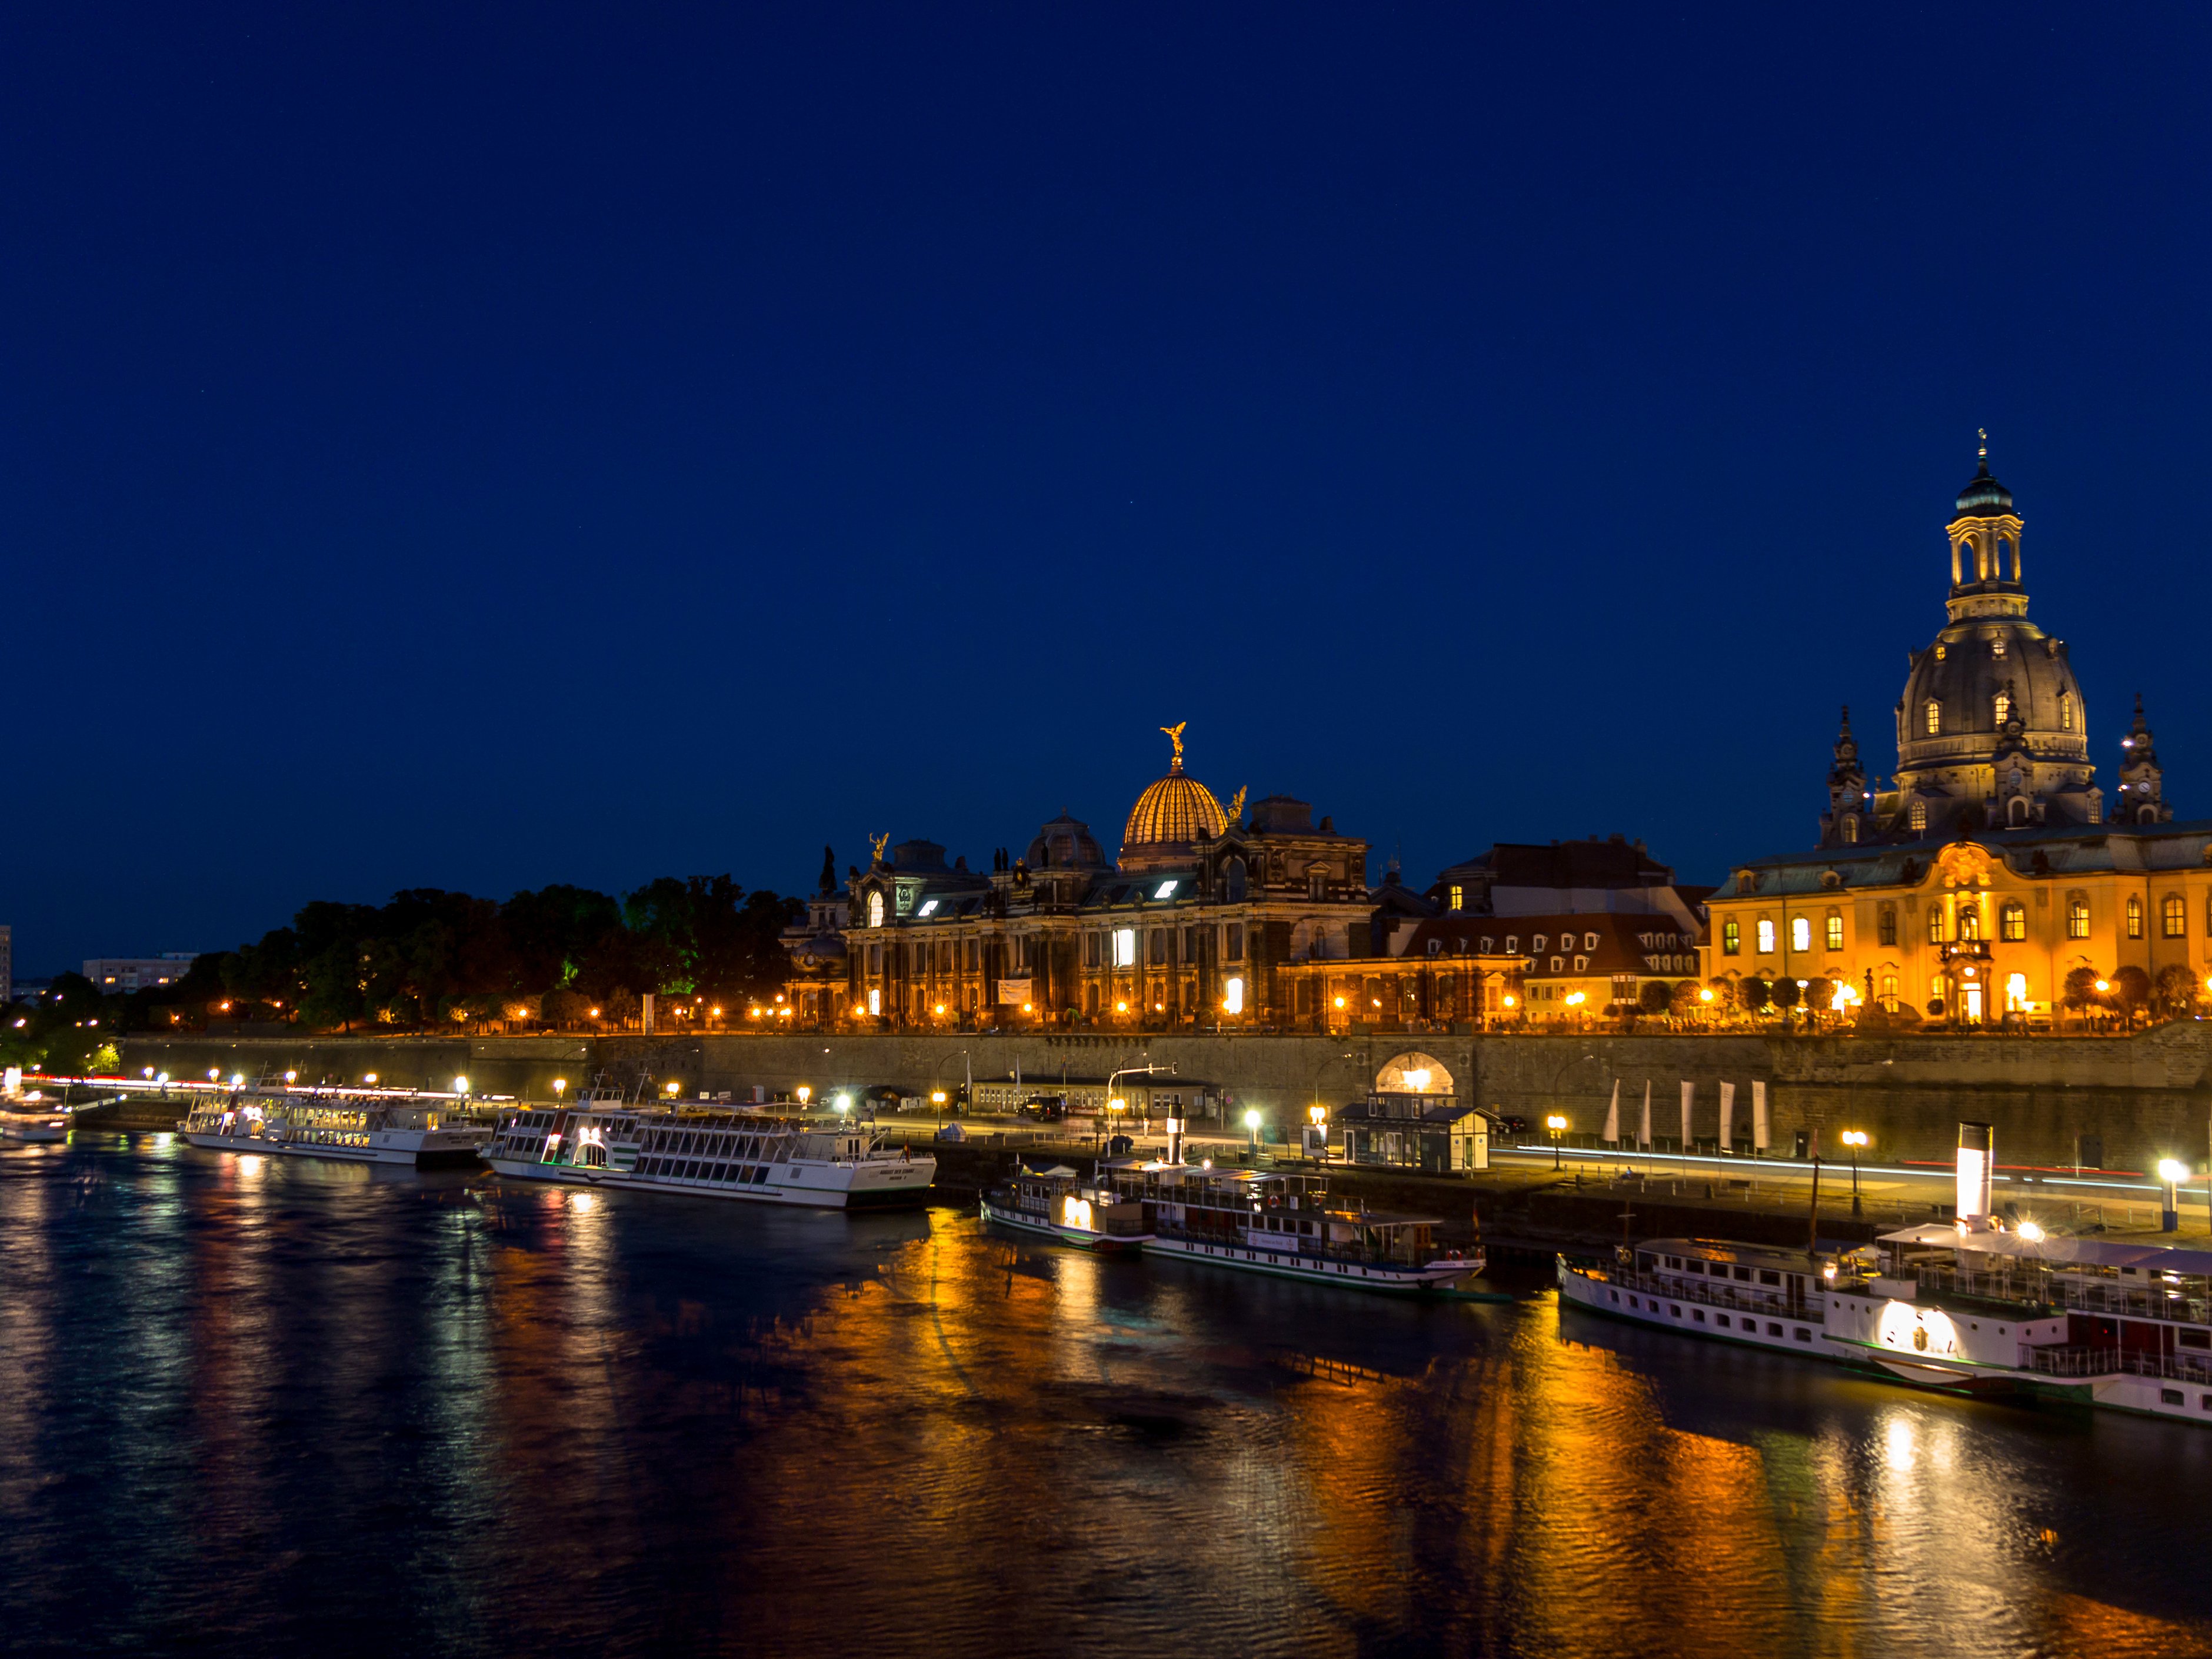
x=2072 y=1360
x=2052 y=1290
x=1745 y=1300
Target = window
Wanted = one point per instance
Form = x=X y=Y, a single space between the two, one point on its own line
x=1232 y=942
x=1093 y=951
x=2174 y=920
x=1801 y=933
x=1454 y=897
x=1851 y=830
x=1935 y=924
x=1935 y=717
x=1124 y=947
x=1889 y=992
x=2012 y=922
x=928 y=908
x=974 y=956
x=1835 y=930
x=875 y=909
x=1158 y=943
x=2066 y=711
x=2077 y=917
x=2016 y=993
x=1317 y=886
x=1232 y=880
x=1232 y=996
x=875 y=999
x=1970 y=920
x=1884 y=925
x=1765 y=936
x=1996 y=648
x=2003 y=706
x=1918 y=815
x=2135 y=917
x=1166 y=889
x=1731 y=937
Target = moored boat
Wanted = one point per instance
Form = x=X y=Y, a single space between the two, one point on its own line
x=1286 y=1226
x=27 y=1120
x=710 y=1154
x=349 y=1126
x=1061 y=1205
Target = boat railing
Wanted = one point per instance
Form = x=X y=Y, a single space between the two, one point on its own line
x=2050 y=1291
x=1744 y=1300
x=2067 y=1359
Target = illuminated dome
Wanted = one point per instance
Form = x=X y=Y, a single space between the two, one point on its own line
x=1171 y=816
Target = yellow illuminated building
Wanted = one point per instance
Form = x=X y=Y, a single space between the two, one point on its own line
x=1988 y=870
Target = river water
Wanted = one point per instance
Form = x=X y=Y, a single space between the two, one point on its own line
x=260 y=1406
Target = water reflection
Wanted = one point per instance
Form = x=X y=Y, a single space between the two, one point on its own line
x=259 y=1402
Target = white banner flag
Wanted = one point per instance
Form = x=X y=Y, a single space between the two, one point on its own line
x=1012 y=993
x=1613 y=1116
x=1689 y=1095
x=1643 y=1127
x=1728 y=1117
x=1758 y=1117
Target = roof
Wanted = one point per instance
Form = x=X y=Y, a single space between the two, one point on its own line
x=1728 y=1250
x=1592 y=863
x=2063 y=1251
x=1602 y=942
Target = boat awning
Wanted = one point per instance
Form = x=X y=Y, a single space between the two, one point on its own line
x=2058 y=1252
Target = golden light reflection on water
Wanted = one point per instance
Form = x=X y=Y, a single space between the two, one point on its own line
x=639 y=1424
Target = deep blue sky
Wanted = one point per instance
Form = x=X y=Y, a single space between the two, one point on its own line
x=485 y=447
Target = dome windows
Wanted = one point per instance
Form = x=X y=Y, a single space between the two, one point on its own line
x=2066 y=711
x=1996 y=647
x=1918 y=815
x=1934 y=718
x=2003 y=706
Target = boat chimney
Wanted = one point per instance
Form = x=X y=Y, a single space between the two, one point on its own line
x=1175 y=1139
x=1977 y=1168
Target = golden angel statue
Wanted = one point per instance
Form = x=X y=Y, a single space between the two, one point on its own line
x=879 y=842
x=1174 y=736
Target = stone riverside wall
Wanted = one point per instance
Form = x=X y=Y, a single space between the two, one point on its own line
x=2145 y=1096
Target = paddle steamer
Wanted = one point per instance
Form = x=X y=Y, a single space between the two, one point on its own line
x=350 y=1127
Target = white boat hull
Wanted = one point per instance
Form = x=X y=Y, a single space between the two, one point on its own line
x=33 y=1132
x=1081 y=1238
x=1320 y=1270
x=407 y=1148
x=882 y=1184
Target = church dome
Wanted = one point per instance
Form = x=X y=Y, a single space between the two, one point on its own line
x=1171 y=816
x=1980 y=679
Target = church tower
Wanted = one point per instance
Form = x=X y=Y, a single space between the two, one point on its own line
x=1991 y=733
x=2142 y=785
x=1848 y=820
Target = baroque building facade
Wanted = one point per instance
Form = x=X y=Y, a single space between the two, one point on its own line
x=1189 y=926
x=1989 y=868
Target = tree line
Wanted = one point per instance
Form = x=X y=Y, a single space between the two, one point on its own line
x=430 y=957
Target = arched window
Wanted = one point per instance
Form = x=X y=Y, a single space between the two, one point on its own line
x=1801 y=933
x=2016 y=808
x=1935 y=717
x=1888 y=997
x=1918 y=815
x=2077 y=917
x=1835 y=930
x=1996 y=647
x=2066 y=711
x=2003 y=706
x=2012 y=921
x=1884 y=925
x=1851 y=830
x=2135 y=917
x=875 y=909
x=2173 y=917
x=1970 y=920
x=1766 y=936
x=1732 y=937
x=1233 y=880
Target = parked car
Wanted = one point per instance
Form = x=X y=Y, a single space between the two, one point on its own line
x=1044 y=1109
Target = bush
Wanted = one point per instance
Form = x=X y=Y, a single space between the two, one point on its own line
x=1787 y=993
x=1655 y=998
x=1755 y=994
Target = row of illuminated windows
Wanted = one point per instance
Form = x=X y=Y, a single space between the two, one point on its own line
x=2001 y=705
x=1965 y=924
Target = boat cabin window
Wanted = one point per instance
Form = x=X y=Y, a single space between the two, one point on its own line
x=1744 y=1274
x=2194 y=1339
x=1765 y=1277
x=1693 y=1266
x=1673 y=1260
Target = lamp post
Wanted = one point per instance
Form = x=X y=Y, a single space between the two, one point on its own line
x=2173 y=1171
x=1855 y=1138
x=1252 y=1134
x=1558 y=1126
x=1174 y=1125
x=1317 y=1114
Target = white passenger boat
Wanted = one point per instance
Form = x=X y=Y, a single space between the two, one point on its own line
x=712 y=1154
x=352 y=1127
x=1978 y=1307
x=1287 y=1226
x=29 y=1120
x=1061 y=1205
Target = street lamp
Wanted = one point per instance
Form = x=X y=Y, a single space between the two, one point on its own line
x=1558 y=1126
x=2173 y=1171
x=1317 y=1114
x=805 y=1092
x=461 y=1086
x=1252 y=1133
x=559 y=1084
x=1855 y=1138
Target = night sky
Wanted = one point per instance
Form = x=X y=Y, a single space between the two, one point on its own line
x=482 y=448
